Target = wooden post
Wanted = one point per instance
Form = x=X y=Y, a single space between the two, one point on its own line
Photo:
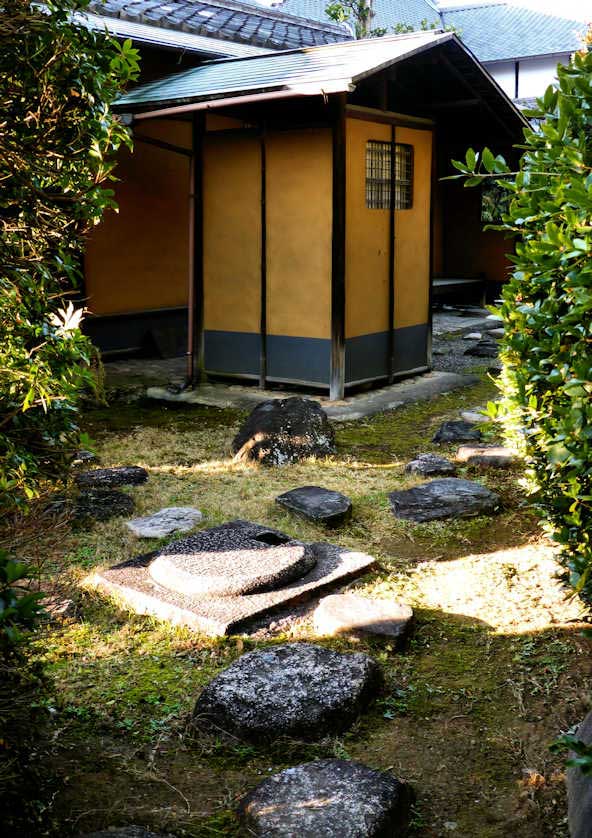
x=195 y=321
x=263 y=320
x=391 y=261
x=337 y=380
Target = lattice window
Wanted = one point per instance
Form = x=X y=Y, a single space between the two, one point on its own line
x=378 y=175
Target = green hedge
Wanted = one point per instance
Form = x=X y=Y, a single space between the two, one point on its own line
x=547 y=310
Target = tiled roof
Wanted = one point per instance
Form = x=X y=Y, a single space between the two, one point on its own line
x=387 y=13
x=499 y=31
x=227 y=20
x=493 y=32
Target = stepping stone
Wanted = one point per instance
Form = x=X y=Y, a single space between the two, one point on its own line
x=107 y=478
x=449 y=497
x=473 y=336
x=474 y=416
x=495 y=456
x=330 y=798
x=245 y=569
x=283 y=431
x=353 y=614
x=197 y=580
x=299 y=690
x=485 y=348
x=457 y=431
x=493 y=318
x=102 y=504
x=165 y=521
x=430 y=464
x=84 y=458
x=497 y=333
x=321 y=506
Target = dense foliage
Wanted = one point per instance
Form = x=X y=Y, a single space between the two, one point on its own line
x=57 y=139
x=547 y=310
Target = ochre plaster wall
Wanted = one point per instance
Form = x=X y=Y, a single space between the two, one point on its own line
x=367 y=235
x=137 y=259
x=299 y=224
x=232 y=233
x=412 y=236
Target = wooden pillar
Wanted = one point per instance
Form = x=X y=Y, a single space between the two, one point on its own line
x=392 y=261
x=263 y=322
x=337 y=380
x=195 y=307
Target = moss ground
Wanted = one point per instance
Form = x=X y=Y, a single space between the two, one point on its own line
x=496 y=668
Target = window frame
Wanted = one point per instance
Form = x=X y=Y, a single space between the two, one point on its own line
x=381 y=183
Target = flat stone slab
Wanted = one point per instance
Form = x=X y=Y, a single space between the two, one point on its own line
x=232 y=572
x=353 y=614
x=428 y=465
x=474 y=416
x=283 y=431
x=449 y=497
x=456 y=430
x=165 y=521
x=321 y=506
x=297 y=689
x=490 y=456
x=330 y=798
x=102 y=504
x=131 y=582
x=107 y=478
x=408 y=391
x=473 y=336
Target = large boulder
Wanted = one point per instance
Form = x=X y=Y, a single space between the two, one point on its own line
x=449 y=497
x=430 y=465
x=457 y=431
x=282 y=431
x=165 y=521
x=579 y=790
x=330 y=798
x=300 y=690
x=353 y=614
x=321 y=506
x=108 y=478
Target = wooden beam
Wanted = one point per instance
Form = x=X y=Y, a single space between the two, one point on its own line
x=195 y=322
x=176 y=149
x=388 y=117
x=337 y=374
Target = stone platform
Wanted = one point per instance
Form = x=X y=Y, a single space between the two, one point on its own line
x=134 y=584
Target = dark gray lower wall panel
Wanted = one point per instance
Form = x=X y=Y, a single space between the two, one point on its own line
x=232 y=353
x=298 y=359
x=366 y=356
x=157 y=333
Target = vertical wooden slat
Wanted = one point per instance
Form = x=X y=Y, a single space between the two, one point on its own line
x=263 y=321
x=337 y=379
x=195 y=319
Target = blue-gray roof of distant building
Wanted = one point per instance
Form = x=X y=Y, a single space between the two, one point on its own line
x=496 y=31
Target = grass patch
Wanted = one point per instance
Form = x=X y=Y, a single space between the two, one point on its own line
x=492 y=673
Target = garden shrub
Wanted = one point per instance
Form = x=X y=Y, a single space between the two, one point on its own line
x=547 y=310
x=57 y=141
